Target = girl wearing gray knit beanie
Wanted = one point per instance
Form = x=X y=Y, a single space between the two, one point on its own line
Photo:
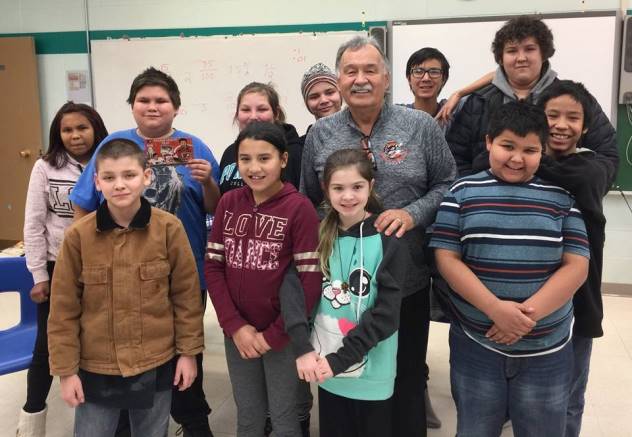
x=320 y=91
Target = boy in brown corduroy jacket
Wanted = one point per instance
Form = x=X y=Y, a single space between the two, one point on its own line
x=126 y=301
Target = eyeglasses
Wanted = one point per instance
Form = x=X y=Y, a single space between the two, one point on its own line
x=419 y=73
x=366 y=146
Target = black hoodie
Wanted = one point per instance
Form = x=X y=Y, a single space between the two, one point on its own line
x=229 y=174
x=587 y=176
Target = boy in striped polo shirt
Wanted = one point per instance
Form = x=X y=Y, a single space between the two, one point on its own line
x=514 y=250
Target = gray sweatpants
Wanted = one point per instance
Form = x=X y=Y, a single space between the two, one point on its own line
x=262 y=384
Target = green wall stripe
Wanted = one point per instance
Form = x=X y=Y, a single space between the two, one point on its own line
x=51 y=43
x=56 y=43
x=209 y=31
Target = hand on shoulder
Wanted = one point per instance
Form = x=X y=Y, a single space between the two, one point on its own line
x=397 y=221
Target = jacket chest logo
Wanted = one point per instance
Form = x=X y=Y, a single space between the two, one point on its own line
x=394 y=152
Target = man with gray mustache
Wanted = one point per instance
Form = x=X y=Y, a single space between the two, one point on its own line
x=413 y=168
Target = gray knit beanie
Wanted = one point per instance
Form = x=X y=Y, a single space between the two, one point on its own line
x=317 y=73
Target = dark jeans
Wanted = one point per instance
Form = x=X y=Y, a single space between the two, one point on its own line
x=344 y=417
x=487 y=385
x=38 y=378
x=582 y=349
x=409 y=409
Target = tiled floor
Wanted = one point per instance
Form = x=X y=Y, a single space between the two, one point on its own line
x=608 y=411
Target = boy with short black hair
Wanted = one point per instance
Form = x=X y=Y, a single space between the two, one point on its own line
x=189 y=191
x=427 y=71
x=587 y=175
x=126 y=301
x=154 y=77
x=514 y=250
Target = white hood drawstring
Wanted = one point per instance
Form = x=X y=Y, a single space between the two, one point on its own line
x=361 y=276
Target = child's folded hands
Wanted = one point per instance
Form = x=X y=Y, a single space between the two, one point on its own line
x=245 y=339
x=511 y=320
x=496 y=335
x=260 y=343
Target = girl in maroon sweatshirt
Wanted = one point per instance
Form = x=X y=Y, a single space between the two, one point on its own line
x=258 y=231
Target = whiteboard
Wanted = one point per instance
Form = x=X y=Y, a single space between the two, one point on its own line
x=586 y=50
x=209 y=72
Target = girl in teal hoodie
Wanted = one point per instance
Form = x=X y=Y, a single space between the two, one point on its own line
x=355 y=324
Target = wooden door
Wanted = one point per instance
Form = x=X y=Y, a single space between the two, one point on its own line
x=20 y=130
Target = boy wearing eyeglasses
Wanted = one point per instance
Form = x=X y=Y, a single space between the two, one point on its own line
x=427 y=71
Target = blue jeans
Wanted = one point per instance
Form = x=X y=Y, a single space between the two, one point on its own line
x=94 y=420
x=582 y=349
x=488 y=387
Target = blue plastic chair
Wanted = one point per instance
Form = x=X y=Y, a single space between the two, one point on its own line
x=16 y=343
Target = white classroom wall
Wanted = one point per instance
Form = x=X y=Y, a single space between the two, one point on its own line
x=22 y=16
x=18 y=16
x=62 y=15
